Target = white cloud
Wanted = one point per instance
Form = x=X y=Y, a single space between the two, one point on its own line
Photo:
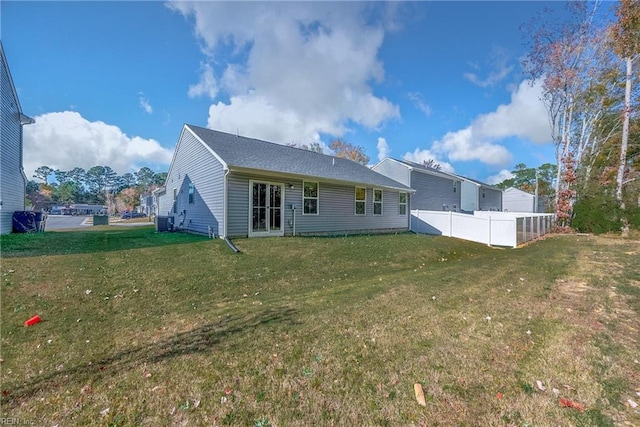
x=524 y=117
x=421 y=156
x=206 y=86
x=463 y=145
x=419 y=103
x=144 y=103
x=311 y=64
x=383 y=148
x=64 y=140
x=499 y=177
x=498 y=61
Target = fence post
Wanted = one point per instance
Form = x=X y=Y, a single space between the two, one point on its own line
x=489 y=241
x=450 y=224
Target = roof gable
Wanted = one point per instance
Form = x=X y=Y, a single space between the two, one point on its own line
x=249 y=153
x=5 y=64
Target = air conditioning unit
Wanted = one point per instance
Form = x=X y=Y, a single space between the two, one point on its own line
x=164 y=223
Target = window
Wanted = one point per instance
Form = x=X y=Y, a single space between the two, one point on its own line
x=455 y=186
x=377 y=202
x=361 y=201
x=175 y=198
x=402 y=200
x=191 y=192
x=310 y=198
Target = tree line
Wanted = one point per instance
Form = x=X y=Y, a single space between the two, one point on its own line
x=99 y=185
x=591 y=94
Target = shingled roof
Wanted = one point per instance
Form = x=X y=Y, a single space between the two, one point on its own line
x=249 y=153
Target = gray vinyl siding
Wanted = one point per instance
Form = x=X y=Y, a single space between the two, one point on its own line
x=434 y=193
x=492 y=200
x=394 y=170
x=336 y=207
x=12 y=183
x=193 y=163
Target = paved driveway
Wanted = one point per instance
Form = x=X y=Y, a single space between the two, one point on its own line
x=59 y=222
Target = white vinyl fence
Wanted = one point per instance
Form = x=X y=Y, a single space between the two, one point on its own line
x=492 y=228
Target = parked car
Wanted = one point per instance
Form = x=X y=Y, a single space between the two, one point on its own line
x=129 y=215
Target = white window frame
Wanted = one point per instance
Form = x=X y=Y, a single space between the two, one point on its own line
x=355 y=197
x=401 y=204
x=375 y=190
x=316 y=198
x=192 y=193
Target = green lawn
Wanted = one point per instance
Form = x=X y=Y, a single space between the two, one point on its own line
x=154 y=329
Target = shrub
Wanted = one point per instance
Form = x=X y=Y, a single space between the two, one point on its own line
x=596 y=214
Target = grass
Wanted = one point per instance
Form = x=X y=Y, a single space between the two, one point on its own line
x=142 y=328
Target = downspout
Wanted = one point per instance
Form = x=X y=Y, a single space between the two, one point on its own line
x=293 y=207
x=225 y=206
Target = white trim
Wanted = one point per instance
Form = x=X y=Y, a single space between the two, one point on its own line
x=282 y=210
x=381 y=202
x=400 y=204
x=356 y=201
x=317 y=198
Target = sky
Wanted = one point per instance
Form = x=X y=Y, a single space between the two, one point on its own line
x=112 y=83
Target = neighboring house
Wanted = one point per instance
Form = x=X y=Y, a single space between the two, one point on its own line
x=229 y=185
x=435 y=190
x=12 y=178
x=478 y=196
x=516 y=200
x=148 y=204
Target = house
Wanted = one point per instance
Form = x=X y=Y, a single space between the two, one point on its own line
x=148 y=204
x=435 y=190
x=12 y=178
x=228 y=185
x=516 y=200
x=478 y=196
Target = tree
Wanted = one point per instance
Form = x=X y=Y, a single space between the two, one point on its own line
x=626 y=44
x=43 y=173
x=39 y=195
x=67 y=192
x=569 y=55
x=316 y=147
x=344 y=150
x=61 y=176
x=432 y=164
x=160 y=178
x=144 y=177
x=96 y=184
x=127 y=199
x=126 y=180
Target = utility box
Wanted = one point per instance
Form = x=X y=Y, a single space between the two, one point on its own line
x=164 y=223
x=101 y=220
x=29 y=221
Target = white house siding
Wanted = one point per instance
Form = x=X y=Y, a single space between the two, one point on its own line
x=394 y=170
x=12 y=183
x=434 y=193
x=515 y=200
x=336 y=206
x=469 y=196
x=193 y=163
x=490 y=199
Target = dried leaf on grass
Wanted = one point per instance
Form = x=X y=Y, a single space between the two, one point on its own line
x=566 y=403
x=417 y=388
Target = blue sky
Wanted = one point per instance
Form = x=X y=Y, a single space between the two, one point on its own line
x=112 y=83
